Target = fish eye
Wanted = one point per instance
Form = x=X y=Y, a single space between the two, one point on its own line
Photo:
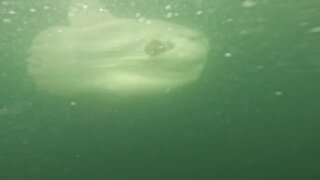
x=156 y=47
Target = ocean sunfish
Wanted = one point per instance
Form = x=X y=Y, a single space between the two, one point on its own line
x=99 y=53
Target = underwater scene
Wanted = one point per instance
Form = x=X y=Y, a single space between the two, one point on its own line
x=159 y=89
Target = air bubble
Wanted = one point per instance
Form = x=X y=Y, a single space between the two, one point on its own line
x=137 y=15
x=315 y=29
x=248 y=4
x=227 y=55
x=73 y=103
x=12 y=12
x=142 y=19
x=169 y=15
x=32 y=10
x=199 y=12
x=168 y=7
x=229 y=20
x=46 y=7
x=6 y=20
x=278 y=93
x=5 y=3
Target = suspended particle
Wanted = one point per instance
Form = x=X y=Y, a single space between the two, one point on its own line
x=168 y=7
x=32 y=10
x=46 y=7
x=199 y=12
x=278 y=93
x=169 y=15
x=6 y=20
x=227 y=55
x=12 y=12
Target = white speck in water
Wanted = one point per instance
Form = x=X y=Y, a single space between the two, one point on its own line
x=3 y=111
x=315 y=29
x=227 y=55
x=101 y=9
x=167 y=7
x=73 y=103
x=32 y=10
x=137 y=15
x=248 y=3
x=148 y=22
x=59 y=30
x=12 y=12
x=6 y=20
x=169 y=15
x=5 y=3
x=142 y=19
x=229 y=20
x=176 y=14
x=46 y=7
x=260 y=67
x=303 y=24
x=278 y=93
x=243 y=32
x=199 y=12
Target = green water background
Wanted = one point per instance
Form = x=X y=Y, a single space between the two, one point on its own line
x=253 y=115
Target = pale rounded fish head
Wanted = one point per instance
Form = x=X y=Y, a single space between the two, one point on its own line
x=117 y=56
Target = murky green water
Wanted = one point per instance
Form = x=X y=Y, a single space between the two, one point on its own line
x=254 y=113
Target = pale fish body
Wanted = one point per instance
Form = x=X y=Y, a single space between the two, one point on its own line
x=100 y=53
